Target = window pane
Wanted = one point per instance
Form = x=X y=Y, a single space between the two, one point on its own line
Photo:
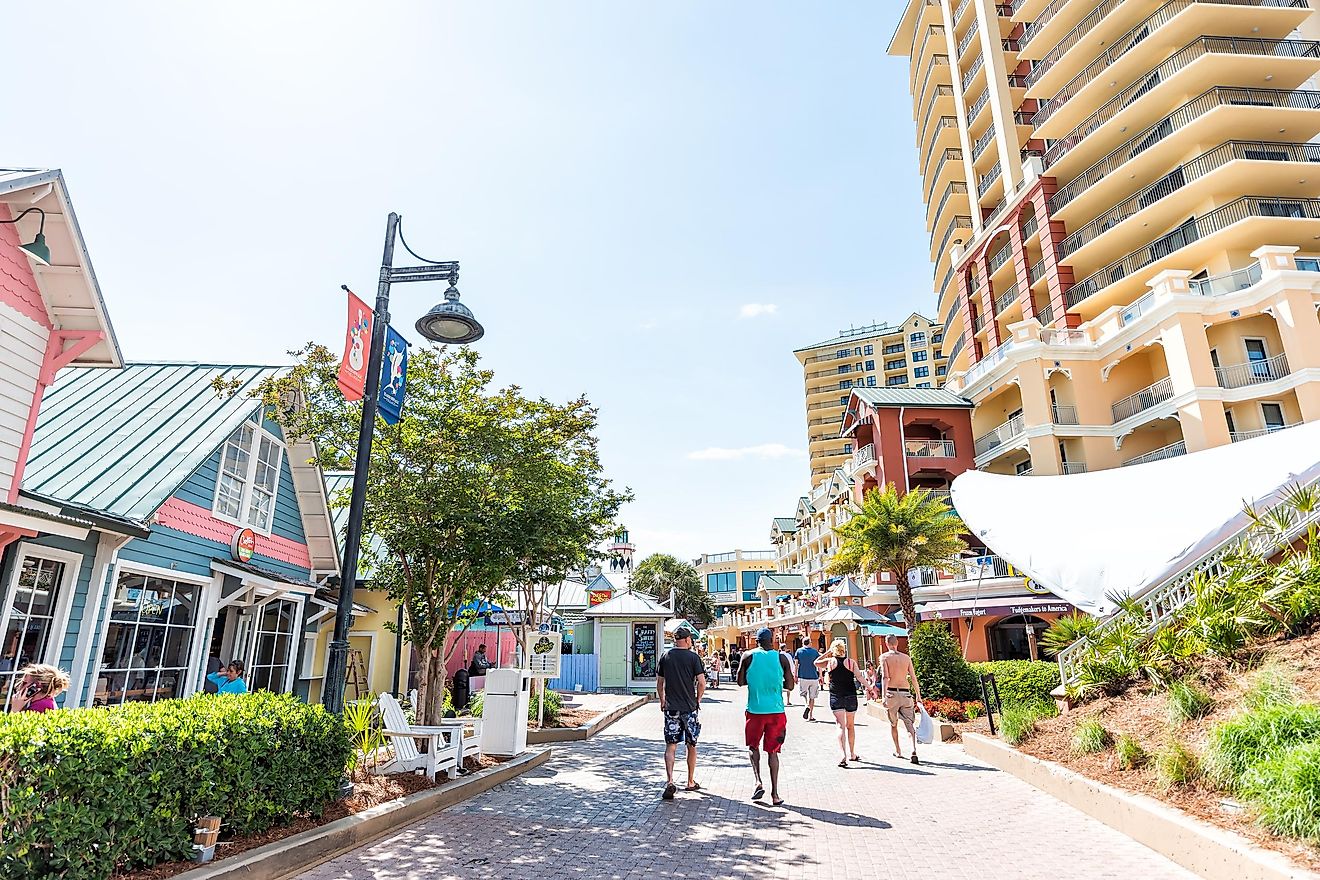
x=229 y=500
x=260 y=511
x=176 y=646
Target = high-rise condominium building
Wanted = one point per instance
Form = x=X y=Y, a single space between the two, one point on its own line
x=1123 y=214
x=910 y=354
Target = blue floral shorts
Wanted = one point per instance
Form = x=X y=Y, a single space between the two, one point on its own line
x=682 y=727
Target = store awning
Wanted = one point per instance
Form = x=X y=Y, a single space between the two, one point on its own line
x=883 y=629
x=999 y=606
x=263 y=583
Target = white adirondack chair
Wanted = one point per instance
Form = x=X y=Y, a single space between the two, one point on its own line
x=444 y=743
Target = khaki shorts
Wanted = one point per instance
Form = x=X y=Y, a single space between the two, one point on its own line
x=899 y=704
x=809 y=688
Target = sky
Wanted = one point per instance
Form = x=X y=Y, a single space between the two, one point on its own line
x=653 y=204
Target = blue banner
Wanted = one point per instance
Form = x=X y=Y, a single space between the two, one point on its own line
x=393 y=376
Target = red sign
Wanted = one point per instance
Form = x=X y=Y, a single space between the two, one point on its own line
x=243 y=545
x=596 y=597
x=352 y=377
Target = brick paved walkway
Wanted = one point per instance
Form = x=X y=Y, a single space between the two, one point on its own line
x=594 y=811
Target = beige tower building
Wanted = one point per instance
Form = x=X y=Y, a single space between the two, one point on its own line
x=1122 y=204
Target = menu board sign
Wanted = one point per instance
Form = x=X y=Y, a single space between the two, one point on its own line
x=545 y=654
x=644 y=645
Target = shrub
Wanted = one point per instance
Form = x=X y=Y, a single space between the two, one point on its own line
x=554 y=704
x=476 y=704
x=1089 y=737
x=974 y=709
x=1019 y=720
x=1021 y=681
x=949 y=710
x=365 y=732
x=1187 y=701
x=88 y=792
x=1285 y=790
x=941 y=669
x=1241 y=743
x=1130 y=753
x=1176 y=765
x=1066 y=630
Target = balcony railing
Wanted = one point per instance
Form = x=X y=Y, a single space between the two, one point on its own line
x=1229 y=282
x=966 y=40
x=1000 y=435
x=1006 y=299
x=957 y=347
x=959 y=222
x=1173 y=450
x=986 y=364
x=1026 y=471
x=861 y=458
x=945 y=122
x=1184 y=174
x=929 y=448
x=941 y=495
x=987 y=180
x=941 y=91
x=971 y=73
x=982 y=142
x=1029 y=228
x=1046 y=316
x=1000 y=257
x=951 y=154
x=1239 y=436
x=956 y=187
x=1060 y=336
x=1074 y=467
x=1064 y=414
x=1047 y=61
x=1036 y=272
x=978 y=106
x=1046 y=15
x=1250 y=46
x=985 y=568
x=1150 y=396
x=978 y=322
x=1191 y=231
x=1252 y=372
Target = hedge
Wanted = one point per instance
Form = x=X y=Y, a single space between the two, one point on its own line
x=941 y=670
x=1022 y=682
x=88 y=792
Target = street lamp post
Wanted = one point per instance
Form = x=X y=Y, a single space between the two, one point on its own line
x=448 y=322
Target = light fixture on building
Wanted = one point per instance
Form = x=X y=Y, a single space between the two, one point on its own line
x=36 y=249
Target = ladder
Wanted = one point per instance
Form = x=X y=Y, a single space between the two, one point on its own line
x=357 y=674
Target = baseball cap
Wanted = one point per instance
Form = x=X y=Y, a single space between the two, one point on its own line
x=683 y=631
x=764 y=635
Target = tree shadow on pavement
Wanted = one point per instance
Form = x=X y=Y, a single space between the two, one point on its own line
x=834 y=818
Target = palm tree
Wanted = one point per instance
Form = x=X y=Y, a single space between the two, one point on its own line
x=899 y=533
x=660 y=572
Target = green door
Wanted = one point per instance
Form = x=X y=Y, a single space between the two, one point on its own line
x=613 y=650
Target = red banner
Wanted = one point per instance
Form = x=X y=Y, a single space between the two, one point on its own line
x=598 y=597
x=357 y=342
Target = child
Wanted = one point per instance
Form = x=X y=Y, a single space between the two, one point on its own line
x=38 y=686
x=230 y=679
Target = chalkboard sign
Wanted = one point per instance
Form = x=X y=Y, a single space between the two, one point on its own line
x=644 y=658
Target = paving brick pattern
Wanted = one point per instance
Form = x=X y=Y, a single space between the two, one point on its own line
x=594 y=811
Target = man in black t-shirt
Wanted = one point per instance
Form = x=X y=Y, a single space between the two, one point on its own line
x=680 y=685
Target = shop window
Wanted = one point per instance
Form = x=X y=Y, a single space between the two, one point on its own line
x=147 y=644
x=30 y=621
x=1016 y=638
x=273 y=647
x=249 y=477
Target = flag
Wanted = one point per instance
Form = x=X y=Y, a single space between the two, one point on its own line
x=352 y=377
x=393 y=376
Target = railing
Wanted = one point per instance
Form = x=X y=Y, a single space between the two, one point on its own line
x=1024 y=117
x=1162 y=600
x=971 y=73
x=966 y=40
x=1029 y=228
x=985 y=568
x=999 y=257
x=979 y=322
x=1061 y=335
x=1046 y=15
x=1175 y=62
x=1137 y=309
x=959 y=222
x=1152 y=395
x=986 y=364
x=961 y=8
x=1074 y=467
x=1173 y=450
x=1252 y=372
x=941 y=495
x=1026 y=471
x=929 y=448
x=1046 y=316
x=950 y=122
x=978 y=106
x=935 y=61
x=944 y=282
x=950 y=155
x=1016 y=81
x=987 y=180
x=1239 y=436
x=923 y=577
x=830 y=420
x=1000 y=435
x=862 y=457
x=956 y=186
x=1081 y=29
x=982 y=142
x=1185 y=174
x=896 y=365
x=1191 y=231
x=1229 y=282
x=941 y=91
x=1036 y=272
x=1064 y=414
x=896 y=348
x=1007 y=298
x=1011 y=45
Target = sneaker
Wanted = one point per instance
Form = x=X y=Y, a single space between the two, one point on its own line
x=915 y=760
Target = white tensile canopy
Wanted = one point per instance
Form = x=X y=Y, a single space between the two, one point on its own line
x=1125 y=530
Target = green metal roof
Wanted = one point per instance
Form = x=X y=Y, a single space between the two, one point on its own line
x=773 y=580
x=337 y=482
x=122 y=441
x=891 y=397
x=786 y=523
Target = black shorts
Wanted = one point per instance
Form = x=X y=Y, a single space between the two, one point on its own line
x=843 y=702
x=682 y=727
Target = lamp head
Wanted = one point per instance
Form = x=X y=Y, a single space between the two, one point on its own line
x=37 y=250
x=450 y=321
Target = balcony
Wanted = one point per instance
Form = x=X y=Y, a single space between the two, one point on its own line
x=1062 y=335
x=956 y=187
x=929 y=448
x=1259 y=151
x=971 y=73
x=945 y=124
x=1229 y=282
x=982 y=142
x=1239 y=436
x=939 y=64
x=1252 y=372
x=1000 y=257
x=1064 y=414
x=1146 y=398
x=1006 y=299
x=1074 y=467
x=1046 y=316
x=966 y=41
x=1191 y=231
x=986 y=364
x=999 y=436
x=861 y=458
x=1046 y=16
x=957 y=347
x=941 y=91
x=1036 y=272
x=950 y=155
x=978 y=106
x=959 y=222
x=1173 y=450
x=1029 y=228
x=987 y=180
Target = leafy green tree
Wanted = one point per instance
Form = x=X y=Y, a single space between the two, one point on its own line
x=899 y=533
x=659 y=572
x=475 y=490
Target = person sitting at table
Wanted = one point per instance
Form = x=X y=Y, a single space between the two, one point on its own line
x=230 y=679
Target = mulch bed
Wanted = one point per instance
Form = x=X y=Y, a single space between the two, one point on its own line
x=368 y=792
x=1142 y=714
x=571 y=718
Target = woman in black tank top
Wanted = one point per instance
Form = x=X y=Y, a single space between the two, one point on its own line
x=843 y=696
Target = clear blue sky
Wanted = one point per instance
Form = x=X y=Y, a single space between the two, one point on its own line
x=620 y=180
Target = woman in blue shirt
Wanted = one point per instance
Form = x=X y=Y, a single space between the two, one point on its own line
x=230 y=679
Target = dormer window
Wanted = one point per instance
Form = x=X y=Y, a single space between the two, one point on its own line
x=249 y=477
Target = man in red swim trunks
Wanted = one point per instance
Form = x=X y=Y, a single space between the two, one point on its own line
x=766 y=673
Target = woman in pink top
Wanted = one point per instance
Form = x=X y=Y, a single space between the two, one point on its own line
x=38 y=686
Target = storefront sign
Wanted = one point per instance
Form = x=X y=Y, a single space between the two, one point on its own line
x=505 y=618
x=1032 y=587
x=545 y=654
x=243 y=545
x=644 y=645
x=998 y=611
x=352 y=378
x=393 y=376
x=597 y=597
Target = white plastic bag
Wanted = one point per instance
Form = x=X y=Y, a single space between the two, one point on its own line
x=925 y=727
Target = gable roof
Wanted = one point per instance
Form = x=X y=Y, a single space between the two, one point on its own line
x=772 y=581
x=122 y=441
x=630 y=604
x=896 y=397
x=786 y=524
x=868 y=331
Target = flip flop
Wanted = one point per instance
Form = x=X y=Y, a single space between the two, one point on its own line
x=844 y=763
x=897 y=755
x=777 y=803
x=915 y=759
x=759 y=793
x=669 y=792
x=693 y=787
x=855 y=758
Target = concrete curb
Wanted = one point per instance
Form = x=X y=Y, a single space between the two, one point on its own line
x=946 y=730
x=293 y=855
x=1198 y=846
x=574 y=734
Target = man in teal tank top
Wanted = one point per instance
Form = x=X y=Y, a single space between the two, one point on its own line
x=766 y=673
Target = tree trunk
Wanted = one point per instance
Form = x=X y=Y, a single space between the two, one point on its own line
x=907 y=603
x=431 y=688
